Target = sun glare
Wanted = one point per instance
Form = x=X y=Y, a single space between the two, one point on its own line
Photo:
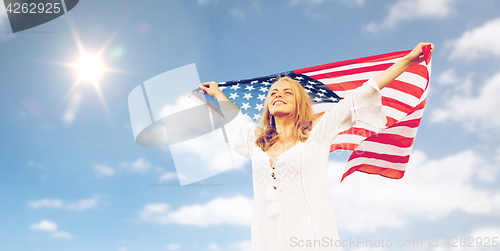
x=89 y=68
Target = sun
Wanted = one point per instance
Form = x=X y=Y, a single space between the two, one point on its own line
x=89 y=68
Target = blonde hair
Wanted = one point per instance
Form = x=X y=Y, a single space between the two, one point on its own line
x=303 y=116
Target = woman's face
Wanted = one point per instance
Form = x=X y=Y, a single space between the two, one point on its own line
x=281 y=99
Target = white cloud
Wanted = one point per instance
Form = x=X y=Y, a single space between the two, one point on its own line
x=481 y=42
x=430 y=190
x=140 y=165
x=234 y=211
x=406 y=10
x=317 y=2
x=103 y=170
x=237 y=13
x=83 y=204
x=62 y=235
x=241 y=246
x=476 y=113
x=448 y=77
x=202 y=2
x=56 y=203
x=44 y=225
x=213 y=246
x=70 y=113
x=168 y=176
x=173 y=246
x=34 y=164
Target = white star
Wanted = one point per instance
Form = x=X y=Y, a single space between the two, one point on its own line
x=263 y=89
x=248 y=96
x=266 y=83
x=255 y=81
x=311 y=82
x=233 y=95
x=309 y=86
x=322 y=90
x=308 y=91
x=256 y=116
x=245 y=106
x=259 y=107
x=333 y=99
x=262 y=97
x=222 y=87
x=317 y=99
x=320 y=94
x=250 y=87
x=235 y=86
x=299 y=77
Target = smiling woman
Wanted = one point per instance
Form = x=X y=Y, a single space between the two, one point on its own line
x=289 y=151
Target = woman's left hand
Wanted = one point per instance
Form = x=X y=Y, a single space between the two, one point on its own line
x=416 y=56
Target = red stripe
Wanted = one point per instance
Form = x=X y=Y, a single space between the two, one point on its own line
x=390 y=121
x=391 y=139
x=358 y=131
x=346 y=86
x=387 y=157
x=394 y=103
x=343 y=146
x=419 y=70
x=335 y=74
x=413 y=123
x=375 y=58
x=371 y=169
x=406 y=88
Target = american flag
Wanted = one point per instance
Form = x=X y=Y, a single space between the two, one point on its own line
x=384 y=152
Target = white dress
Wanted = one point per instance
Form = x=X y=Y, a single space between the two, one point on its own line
x=294 y=210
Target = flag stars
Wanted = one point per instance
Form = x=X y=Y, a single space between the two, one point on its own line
x=248 y=96
x=311 y=82
x=299 y=77
x=322 y=90
x=320 y=94
x=256 y=116
x=245 y=106
x=250 y=87
x=264 y=89
x=235 y=87
x=309 y=86
x=262 y=97
x=333 y=99
x=317 y=99
x=222 y=87
x=234 y=95
x=266 y=83
x=308 y=91
x=259 y=107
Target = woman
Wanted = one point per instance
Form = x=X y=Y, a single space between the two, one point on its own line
x=293 y=209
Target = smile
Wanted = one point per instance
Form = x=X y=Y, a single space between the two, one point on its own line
x=279 y=102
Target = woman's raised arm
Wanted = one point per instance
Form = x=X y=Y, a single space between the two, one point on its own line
x=416 y=56
x=212 y=88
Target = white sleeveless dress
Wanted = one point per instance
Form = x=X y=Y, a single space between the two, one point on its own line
x=293 y=208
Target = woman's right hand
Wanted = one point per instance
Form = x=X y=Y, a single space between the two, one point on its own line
x=212 y=88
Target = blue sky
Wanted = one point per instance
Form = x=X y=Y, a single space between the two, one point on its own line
x=72 y=177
